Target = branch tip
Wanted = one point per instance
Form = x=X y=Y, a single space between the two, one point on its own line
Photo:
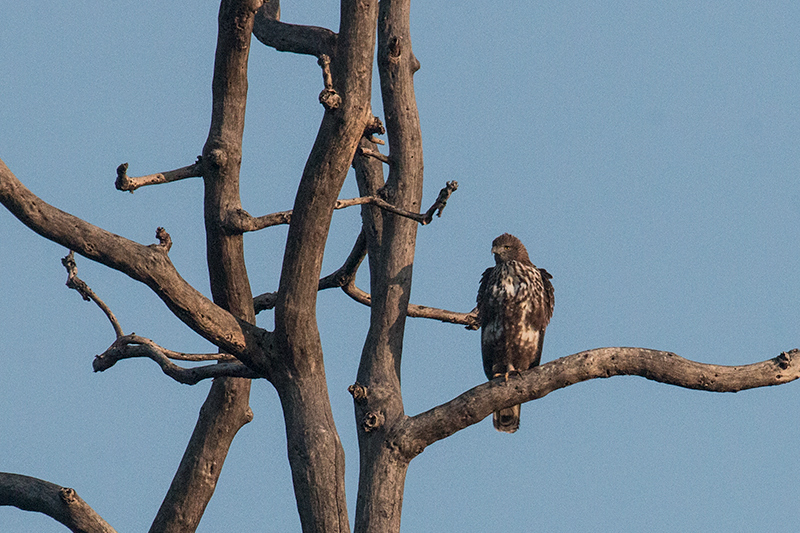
x=76 y=283
x=164 y=240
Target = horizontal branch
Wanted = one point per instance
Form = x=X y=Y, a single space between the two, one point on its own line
x=127 y=183
x=130 y=346
x=418 y=311
x=240 y=221
x=413 y=434
x=309 y=40
x=60 y=503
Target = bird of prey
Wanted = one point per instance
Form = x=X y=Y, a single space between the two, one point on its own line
x=515 y=303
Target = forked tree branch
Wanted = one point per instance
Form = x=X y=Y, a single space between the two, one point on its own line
x=413 y=434
x=148 y=264
x=130 y=346
x=127 y=183
x=60 y=503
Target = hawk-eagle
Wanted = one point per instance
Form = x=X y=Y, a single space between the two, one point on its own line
x=515 y=303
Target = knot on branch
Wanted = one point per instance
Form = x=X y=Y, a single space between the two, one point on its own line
x=395 y=48
x=358 y=391
x=123 y=183
x=784 y=360
x=329 y=98
x=374 y=127
x=372 y=421
x=67 y=495
x=217 y=157
x=164 y=240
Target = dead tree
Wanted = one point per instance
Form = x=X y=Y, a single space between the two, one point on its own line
x=290 y=357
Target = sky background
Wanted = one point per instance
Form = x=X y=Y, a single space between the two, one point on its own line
x=645 y=152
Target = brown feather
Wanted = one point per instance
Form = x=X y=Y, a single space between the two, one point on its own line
x=515 y=304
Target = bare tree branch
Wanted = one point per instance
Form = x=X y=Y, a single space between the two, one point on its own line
x=417 y=311
x=374 y=153
x=240 y=221
x=147 y=264
x=74 y=282
x=310 y=40
x=60 y=503
x=415 y=433
x=130 y=346
x=127 y=183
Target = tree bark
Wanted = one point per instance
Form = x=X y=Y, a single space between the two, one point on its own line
x=226 y=408
x=315 y=452
x=378 y=397
x=60 y=503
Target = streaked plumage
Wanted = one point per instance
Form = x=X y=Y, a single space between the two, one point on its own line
x=515 y=303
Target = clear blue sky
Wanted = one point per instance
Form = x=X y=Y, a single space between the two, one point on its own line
x=645 y=152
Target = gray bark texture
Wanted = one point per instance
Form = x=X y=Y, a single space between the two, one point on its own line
x=290 y=358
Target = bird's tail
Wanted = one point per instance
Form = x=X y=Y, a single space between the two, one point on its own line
x=507 y=420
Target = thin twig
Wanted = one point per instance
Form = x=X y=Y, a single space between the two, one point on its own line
x=375 y=153
x=418 y=311
x=127 y=183
x=74 y=282
x=130 y=346
x=240 y=221
x=339 y=278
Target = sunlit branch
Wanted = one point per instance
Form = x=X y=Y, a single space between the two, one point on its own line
x=127 y=183
x=417 y=432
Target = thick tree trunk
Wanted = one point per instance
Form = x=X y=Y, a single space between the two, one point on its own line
x=315 y=452
x=378 y=398
x=226 y=409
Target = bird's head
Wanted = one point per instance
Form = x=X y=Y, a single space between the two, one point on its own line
x=506 y=248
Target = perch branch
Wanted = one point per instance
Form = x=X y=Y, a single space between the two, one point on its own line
x=130 y=346
x=60 y=503
x=74 y=282
x=414 y=434
x=127 y=183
